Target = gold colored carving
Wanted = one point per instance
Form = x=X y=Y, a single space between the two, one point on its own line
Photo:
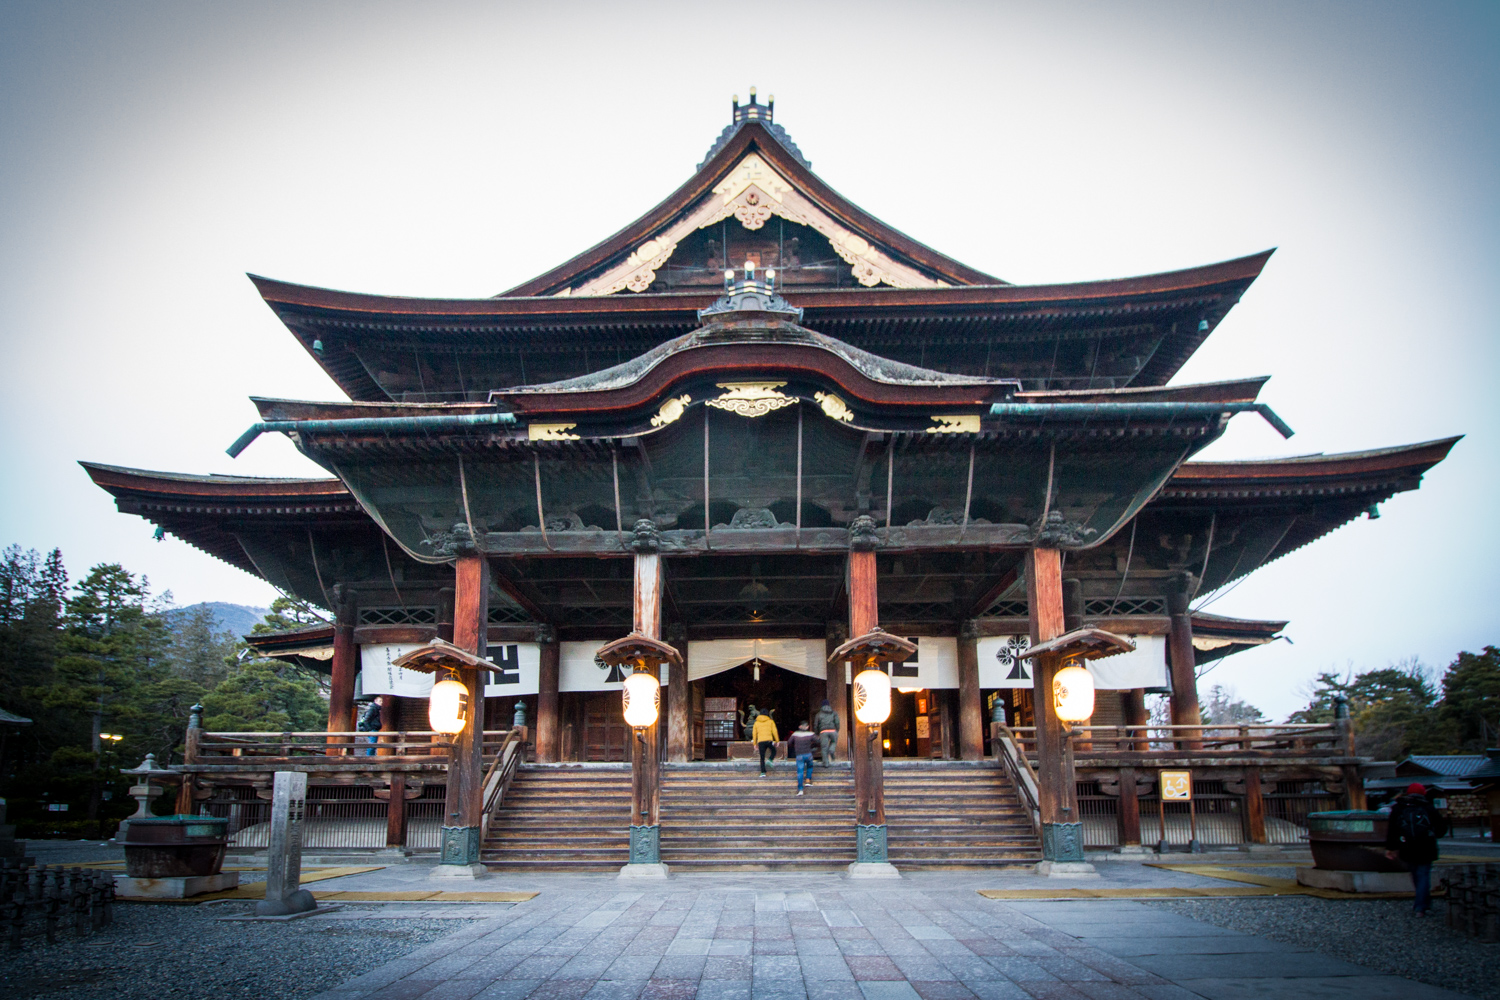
x=751 y=399
x=752 y=170
x=551 y=432
x=949 y=423
x=671 y=410
x=833 y=406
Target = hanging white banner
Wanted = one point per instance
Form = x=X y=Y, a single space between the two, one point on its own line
x=1000 y=665
x=714 y=656
x=935 y=664
x=578 y=670
x=517 y=670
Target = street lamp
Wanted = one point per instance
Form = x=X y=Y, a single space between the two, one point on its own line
x=642 y=694
x=872 y=697
x=1073 y=693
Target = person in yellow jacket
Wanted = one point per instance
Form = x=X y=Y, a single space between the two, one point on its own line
x=765 y=737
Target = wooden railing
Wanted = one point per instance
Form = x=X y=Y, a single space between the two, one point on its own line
x=498 y=778
x=341 y=749
x=1199 y=741
x=1018 y=767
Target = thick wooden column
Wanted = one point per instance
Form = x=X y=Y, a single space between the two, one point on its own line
x=1134 y=709
x=548 y=731
x=1130 y=809
x=837 y=691
x=971 y=721
x=1181 y=658
x=395 y=812
x=1255 y=807
x=344 y=666
x=645 y=755
x=866 y=752
x=1062 y=830
x=464 y=806
x=679 y=711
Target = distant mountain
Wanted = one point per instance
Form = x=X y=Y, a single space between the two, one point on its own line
x=236 y=618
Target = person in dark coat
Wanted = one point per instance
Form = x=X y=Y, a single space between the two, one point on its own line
x=800 y=746
x=826 y=726
x=369 y=722
x=1412 y=835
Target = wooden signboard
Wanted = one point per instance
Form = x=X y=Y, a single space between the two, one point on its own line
x=1177 y=786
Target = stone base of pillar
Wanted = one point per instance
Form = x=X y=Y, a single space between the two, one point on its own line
x=644 y=870
x=460 y=846
x=1062 y=841
x=873 y=869
x=463 y=873
x=1134 y=849
x=645 y=845
x=174 y=888
x=1066 y=869
x=870 y=844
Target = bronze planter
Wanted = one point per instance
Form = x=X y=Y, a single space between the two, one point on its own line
x=1350 y=840
x=175 y=846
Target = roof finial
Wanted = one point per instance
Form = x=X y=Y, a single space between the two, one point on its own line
x=753 y=110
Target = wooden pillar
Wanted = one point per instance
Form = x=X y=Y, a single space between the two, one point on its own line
x=344 y=666
x=679 y=709
x=1134 y=709
x=1255 y=807
x=548 y=730
x=1062 y=830
x=395 y=813
x=837 y=691
x=1130 y=809
x=866 y=752
x=971 y=721
x=464 y=806
x=1181 y=658
x=645 y=754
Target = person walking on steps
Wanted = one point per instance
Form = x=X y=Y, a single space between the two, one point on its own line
x=1412 y=835
x=800 y=746
x=826 y=723
x=765 y=737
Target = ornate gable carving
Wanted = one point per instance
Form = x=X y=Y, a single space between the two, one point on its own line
x=753 y=192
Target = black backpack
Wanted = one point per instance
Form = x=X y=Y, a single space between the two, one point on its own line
x=1416 y=824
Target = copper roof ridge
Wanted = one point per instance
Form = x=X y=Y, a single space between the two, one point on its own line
x=218 y=478
x=1343 y=456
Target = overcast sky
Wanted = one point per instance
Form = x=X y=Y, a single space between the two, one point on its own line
x=152 y=153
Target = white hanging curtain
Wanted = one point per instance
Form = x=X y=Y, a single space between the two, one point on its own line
x=714 y=656
x=1146 y=667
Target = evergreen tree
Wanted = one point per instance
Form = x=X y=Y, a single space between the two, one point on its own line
x=266 y=696
x=1223 y=708
x=1470 y=710
x=199 y=651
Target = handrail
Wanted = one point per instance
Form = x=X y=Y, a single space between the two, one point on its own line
x=1021 y=775
x=385 y=744
x=498 y=778
x=1208 y=738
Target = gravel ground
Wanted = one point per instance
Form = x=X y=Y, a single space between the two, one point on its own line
x=1381 y=934
x=154 y=951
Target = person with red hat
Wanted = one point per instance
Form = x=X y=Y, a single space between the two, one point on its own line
x=1412 y=835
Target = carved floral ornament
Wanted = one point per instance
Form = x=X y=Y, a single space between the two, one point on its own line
x=751 y=399
x=954 y=423
x=671 y=410
x=753 y=192
x=833 y=407
x=551 y=432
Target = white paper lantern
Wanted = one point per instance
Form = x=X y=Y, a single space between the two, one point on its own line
x=448 y=706
x=642 y=700
x=872 y=697
x=1073 y=694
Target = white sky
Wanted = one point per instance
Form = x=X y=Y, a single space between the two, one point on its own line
x=151 y=154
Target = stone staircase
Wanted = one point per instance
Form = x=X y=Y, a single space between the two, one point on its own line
x=955 y=814
x=562 y=817
x=725 y=816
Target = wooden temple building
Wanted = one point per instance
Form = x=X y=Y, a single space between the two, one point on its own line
x=754 y=425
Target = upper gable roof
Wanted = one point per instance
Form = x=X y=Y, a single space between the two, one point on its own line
x=752 y=175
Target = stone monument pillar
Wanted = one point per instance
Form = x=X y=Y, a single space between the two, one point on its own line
x=284 y=896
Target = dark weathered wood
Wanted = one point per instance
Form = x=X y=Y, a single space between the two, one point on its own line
x=1133 y=704
x=1255 y=807
x=395 y=812
x=1354 y=788
x=971 y=719
x=344 y=666
x=548 y=733
x=679 y=724
x=645 y=758
x=864 y=605
x=390 y=719
x=837 y=687
x=866 y=753
x=1130 y=809
x=1180 y=656
x=464 y=805
x=1058 y=798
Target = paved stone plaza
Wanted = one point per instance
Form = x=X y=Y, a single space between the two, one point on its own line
x=823 y=937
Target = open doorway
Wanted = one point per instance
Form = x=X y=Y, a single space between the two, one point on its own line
x=788 y=697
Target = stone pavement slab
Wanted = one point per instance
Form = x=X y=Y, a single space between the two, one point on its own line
x=771 y=936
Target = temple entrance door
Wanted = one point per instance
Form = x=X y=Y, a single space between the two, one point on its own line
x=605 y=735
x=788 y=693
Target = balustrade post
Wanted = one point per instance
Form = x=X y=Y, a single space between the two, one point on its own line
x=1255 y=807
x=1130 y=811
x=395 y=812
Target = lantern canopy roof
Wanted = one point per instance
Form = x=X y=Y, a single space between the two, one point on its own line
x=439 y=654
x=1083 y=643
x=876 y=644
